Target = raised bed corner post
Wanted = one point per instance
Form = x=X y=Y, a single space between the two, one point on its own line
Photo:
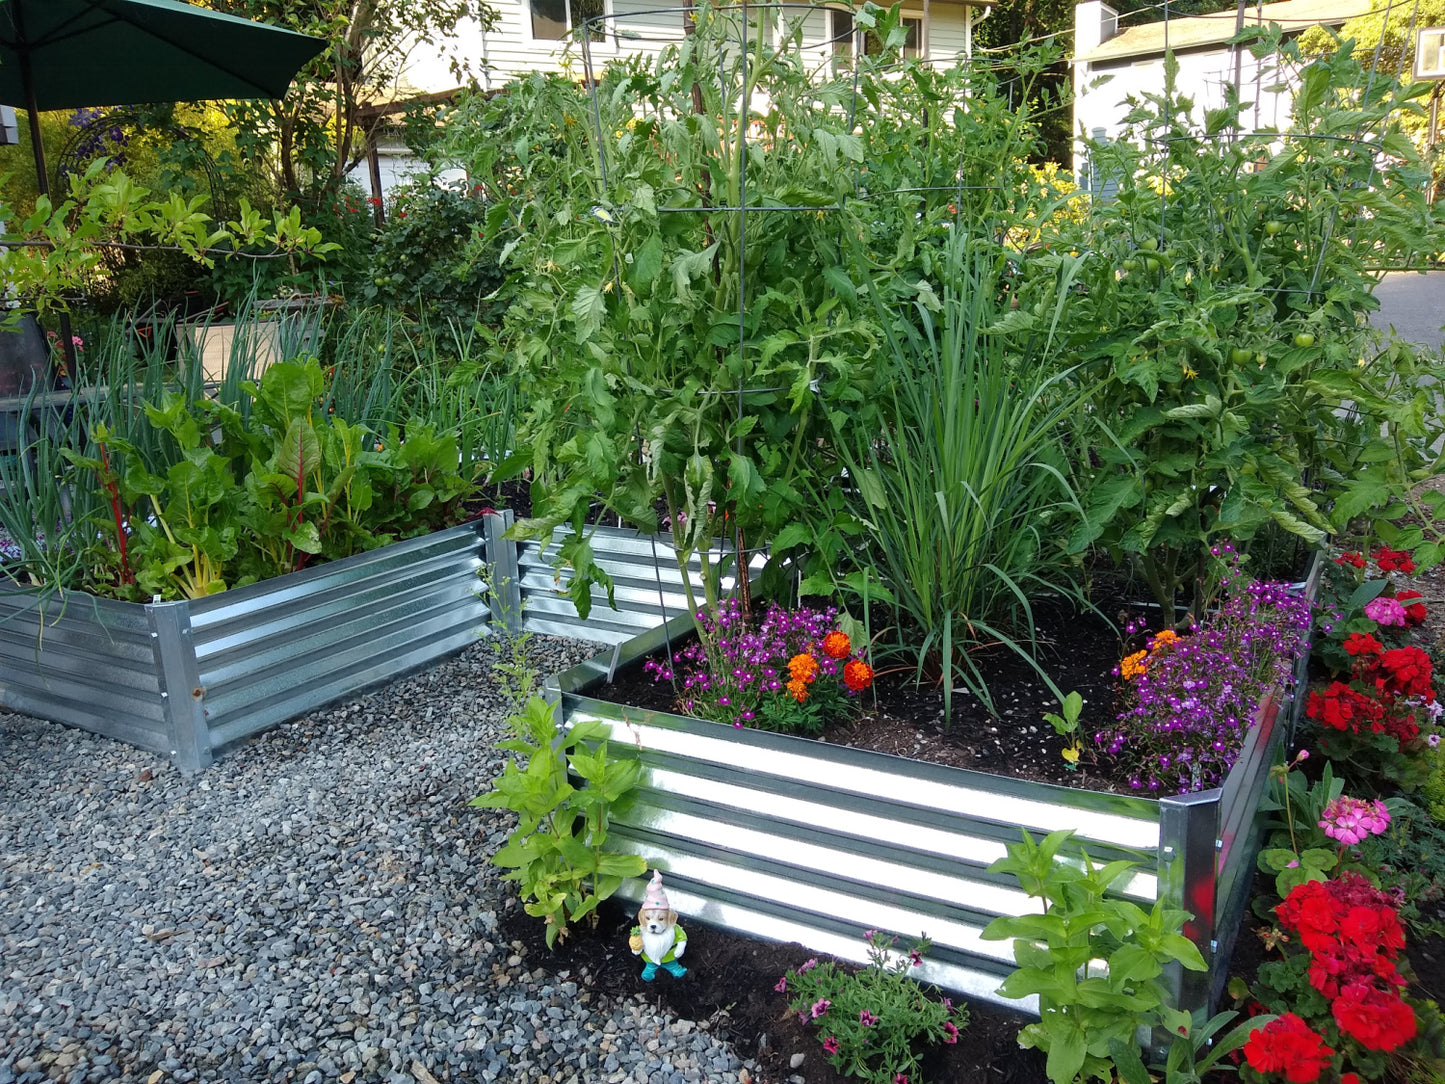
x=182 y=695
x=505 y=587
x=1188 y=879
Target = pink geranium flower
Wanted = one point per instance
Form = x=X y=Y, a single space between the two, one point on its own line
x=1385 y=611
x=1351 y=820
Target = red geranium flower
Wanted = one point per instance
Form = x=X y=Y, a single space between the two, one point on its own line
x=1343 y=708
x=1394 y=561
x=1356 y=560
x=1362 y=643
x=1404 y=670
x=1375 y=1019
x=1288 y=1045
x=1414 y=612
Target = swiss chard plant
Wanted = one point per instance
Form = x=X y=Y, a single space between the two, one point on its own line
x=215 y=497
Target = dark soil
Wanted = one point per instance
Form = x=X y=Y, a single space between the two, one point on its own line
x=1077 y=650
x=728 y=990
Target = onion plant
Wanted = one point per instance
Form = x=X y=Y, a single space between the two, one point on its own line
x=962 y=492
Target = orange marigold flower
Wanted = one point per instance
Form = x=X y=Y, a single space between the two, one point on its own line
x=1163 y=640
x=857 y=675
x=798 y=689
x=803 y=667
x=836 y=645
x=1134 y=665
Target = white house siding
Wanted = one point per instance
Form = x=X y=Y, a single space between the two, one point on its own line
x=509 y=51
x=1132 y=59
x=1203 y=77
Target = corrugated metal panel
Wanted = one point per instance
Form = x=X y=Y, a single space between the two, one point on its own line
x=274 y=650
x=647 y=586
x=84 y=661
x=775 y=836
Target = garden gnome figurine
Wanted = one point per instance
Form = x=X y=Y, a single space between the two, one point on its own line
x=657 y=937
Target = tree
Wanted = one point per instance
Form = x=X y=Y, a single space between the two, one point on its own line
x=312 y=137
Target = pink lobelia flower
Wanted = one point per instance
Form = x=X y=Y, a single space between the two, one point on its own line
x=820 y=1007
x=1351 y=820
x=866 y=1018
x=1385 y=611
x=782 y=986
x=830 y=1045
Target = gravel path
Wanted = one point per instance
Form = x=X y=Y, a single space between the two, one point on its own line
x=318 y=906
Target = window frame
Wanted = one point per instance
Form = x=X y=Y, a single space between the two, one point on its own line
x=529 y=26
x=856 y=41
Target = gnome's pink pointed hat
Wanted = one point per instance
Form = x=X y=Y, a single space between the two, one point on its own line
x=656 y=898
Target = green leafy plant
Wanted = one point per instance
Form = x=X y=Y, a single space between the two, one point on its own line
x=557 y=852
x=1067 y=725
x=1095 y=962
x=426 y=258
x=1296 y=849
x=1410 y=858
x=204 y=496
x=1223 y=310
x=50 y=252
x=869 y=1020
x=672 y=351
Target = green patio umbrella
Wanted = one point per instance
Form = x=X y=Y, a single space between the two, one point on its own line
x=69 y=54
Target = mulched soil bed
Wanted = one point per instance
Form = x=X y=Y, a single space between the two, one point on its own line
x=729 y=987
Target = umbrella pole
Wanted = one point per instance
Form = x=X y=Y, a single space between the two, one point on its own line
x=42 y=182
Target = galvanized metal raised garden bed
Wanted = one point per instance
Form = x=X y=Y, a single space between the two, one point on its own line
x=189 y=679
x=765 y=834
x=790 y=839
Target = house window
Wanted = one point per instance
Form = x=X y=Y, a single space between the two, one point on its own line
x=554 y=20
x=846 y=37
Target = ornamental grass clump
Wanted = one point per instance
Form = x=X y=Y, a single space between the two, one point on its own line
x=1192 y=701
x=795 y=672
x=870 y=1020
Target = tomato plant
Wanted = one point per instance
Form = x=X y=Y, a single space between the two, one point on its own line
x=1243 y=395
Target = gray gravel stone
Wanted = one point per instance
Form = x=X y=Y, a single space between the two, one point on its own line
x=319 y=902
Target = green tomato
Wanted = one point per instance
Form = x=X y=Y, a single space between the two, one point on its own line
x=1273 y=228
x=1303 y=339
x=1151 y=264
x=1239 y=356
x=1130 y=264
x=1150 y=243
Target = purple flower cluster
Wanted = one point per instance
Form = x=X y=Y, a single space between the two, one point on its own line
x=733 y=665
x=1194 y=704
